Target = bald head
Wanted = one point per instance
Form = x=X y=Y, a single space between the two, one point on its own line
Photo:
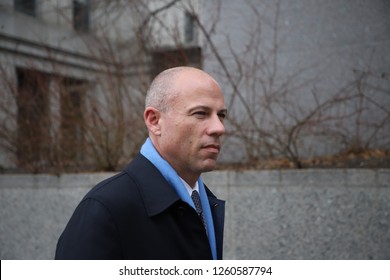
x=164 y=86
x=184 y=114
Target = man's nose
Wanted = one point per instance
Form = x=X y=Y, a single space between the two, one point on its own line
x=216 y=126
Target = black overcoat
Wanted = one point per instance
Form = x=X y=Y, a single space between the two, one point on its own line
x=136 y=214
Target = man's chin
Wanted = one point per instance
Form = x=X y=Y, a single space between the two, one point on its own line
x=209 y=165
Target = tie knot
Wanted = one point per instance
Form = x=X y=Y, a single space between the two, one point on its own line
x=195 y=194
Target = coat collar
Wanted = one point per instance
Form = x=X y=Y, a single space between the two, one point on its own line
x=155 y=191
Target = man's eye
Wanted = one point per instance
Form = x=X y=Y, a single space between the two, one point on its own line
x=200 y=114
x=222 y=116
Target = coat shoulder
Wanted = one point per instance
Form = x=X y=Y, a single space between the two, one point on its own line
x=139 y=184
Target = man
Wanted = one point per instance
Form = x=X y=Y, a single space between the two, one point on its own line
x=158 y=206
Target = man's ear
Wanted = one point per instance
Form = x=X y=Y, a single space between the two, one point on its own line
x=152 y=120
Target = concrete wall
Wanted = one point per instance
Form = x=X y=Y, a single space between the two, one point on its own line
x=290 y=214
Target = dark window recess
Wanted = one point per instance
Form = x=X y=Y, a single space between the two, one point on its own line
x=189 y=28
x=45 y=139
x=72 y=120
x=81 y=15
x=164 y=59
x=27 y=7
x=33 y=120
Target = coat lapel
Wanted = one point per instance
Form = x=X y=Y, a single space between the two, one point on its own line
x=218 y=212
x=155 y=191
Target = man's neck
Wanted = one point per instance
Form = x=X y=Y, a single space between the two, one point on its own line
x=189 y=188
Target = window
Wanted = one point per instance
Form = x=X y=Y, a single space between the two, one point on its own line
x=72 y=121
x=27 y=7
x=33 y=120
x=81 y=15
x=164 y=59
x=50 y=130
x=189 y=28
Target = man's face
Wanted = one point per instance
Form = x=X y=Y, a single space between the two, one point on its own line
x=192 y=127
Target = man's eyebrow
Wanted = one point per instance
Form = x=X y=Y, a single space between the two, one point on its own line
x=199 y=107
x=224 y=111
x=206 y=108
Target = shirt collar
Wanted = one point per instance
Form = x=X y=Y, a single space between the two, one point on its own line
x=188 y=188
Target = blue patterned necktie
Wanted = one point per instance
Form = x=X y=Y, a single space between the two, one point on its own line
x=198 y=206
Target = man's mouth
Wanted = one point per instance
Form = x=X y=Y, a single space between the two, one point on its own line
x=212 y=148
